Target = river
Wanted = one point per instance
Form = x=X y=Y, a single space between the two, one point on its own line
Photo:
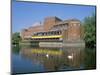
x=37 y=60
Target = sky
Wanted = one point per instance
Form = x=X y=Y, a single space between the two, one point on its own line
x=25 y=14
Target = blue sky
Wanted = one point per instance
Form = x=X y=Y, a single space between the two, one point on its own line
x=25 y=14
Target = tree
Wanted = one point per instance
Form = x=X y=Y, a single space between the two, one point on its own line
x=16 y=38
x=90 y=30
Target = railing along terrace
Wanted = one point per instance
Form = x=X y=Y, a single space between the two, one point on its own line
x=47 y=33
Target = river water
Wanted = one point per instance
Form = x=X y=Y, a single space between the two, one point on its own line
x=35 y=59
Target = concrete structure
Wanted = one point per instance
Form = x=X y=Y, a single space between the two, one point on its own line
x=54 y=30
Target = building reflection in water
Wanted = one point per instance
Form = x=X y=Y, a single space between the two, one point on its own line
x=56 y=59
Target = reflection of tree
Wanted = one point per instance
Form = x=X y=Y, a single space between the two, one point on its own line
x=90 y=59
x=16 y=49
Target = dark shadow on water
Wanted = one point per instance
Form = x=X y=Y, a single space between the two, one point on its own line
x=90 y=58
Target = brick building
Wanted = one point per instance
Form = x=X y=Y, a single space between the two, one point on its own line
x=70 y=30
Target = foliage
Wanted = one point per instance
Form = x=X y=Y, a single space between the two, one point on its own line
x=16 y=38
x=90 y=30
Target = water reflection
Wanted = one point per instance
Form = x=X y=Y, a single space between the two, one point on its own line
x=59 y=59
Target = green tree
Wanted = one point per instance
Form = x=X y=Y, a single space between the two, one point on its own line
x=16 y=38
x=90 y=30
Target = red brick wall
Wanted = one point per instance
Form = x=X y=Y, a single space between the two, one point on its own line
x=30 y=31
x=50 y=22
x=74 y=30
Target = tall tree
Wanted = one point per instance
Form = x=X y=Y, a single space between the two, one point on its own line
x=90 y=30
x=16 y=38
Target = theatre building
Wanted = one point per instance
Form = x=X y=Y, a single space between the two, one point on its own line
x=55 y=32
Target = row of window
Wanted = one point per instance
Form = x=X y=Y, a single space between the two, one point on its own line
x=48 y=33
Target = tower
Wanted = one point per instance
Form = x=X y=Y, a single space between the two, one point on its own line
x=50 y=22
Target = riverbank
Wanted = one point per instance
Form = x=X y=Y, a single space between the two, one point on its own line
x=55 y=44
